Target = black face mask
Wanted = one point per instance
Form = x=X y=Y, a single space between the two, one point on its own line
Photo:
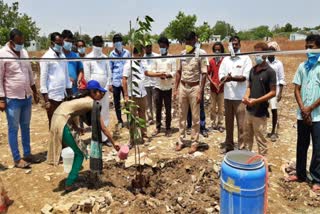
x=271 y=58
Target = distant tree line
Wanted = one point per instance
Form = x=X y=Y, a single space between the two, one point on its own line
x=10 y=17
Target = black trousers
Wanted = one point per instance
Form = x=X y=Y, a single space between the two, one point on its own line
x=161 y=97
x=116 y=99
x=304 y=134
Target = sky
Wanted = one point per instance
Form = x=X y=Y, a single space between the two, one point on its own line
x=99 y=17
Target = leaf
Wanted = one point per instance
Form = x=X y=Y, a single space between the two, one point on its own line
x=136 y=92
x=136 y=76
x=125 y=111
x=149 y=19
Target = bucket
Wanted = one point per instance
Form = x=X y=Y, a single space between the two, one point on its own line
x=242 y=185
x=123 y=152
x=67 y=154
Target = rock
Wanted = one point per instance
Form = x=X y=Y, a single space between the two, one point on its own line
x=162 y=165
x=210 y=210
x=312 y=194
x=152 y=148
x=179 y=199
x=28 y=171
x=216 y=168
x=47 y=178
x=217 y=208
x=193 y=178
x=100 y=200
x=108 y=197
x=10 y=166
x=74 y=208
x=126 y=203
x=197 y=154
x=46 y=209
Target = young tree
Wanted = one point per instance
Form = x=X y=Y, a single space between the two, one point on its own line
x=11 y=18
x=179 y=27
x=204 y=32
x=224 y=29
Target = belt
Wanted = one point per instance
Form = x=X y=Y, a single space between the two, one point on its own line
x=190 y=84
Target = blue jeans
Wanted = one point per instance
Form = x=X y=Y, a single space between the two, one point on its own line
x=18 y=113
x=117 y=91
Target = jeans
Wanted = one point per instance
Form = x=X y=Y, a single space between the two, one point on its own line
x=68 y=139
x=18 y=113
x=202 y=116
x=304 y=133
x=161 y=97
x=116 y=99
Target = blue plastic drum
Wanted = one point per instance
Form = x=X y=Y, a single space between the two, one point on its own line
x=242 y=184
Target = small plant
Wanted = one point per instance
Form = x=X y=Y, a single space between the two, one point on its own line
x=139 y=38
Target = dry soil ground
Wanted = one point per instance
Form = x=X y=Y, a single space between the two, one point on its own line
x=179 y=183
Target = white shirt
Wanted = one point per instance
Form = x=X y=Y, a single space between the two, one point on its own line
x=54 y=76
x=277 y=66
x=97 y=70
x=167 y=66
x=140 y=81
x=148 y=64
x=237 y=66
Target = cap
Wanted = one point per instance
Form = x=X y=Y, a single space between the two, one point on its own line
x=94 y=85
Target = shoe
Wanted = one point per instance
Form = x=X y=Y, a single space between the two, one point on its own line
x=273 y=138
x=204 y=133
x=221 y=129
x=179 y=146
x=22 y=164
x=168 y=133
x=189 y=131
x=269 y=135
x=156 y=132
x=31 y=159
x=193 y=148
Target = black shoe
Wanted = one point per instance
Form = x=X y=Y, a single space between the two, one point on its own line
x=204 y=133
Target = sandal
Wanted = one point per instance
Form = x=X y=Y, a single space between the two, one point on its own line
x=193 y=148
x=179 y=147
x=316 y=188
x=292 y=178
x=22 y=164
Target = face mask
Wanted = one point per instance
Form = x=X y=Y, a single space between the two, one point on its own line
x=82 y=50
x=118 y=46
x=259 y=60
x=217 y=58
x=271 y=58
x=67 y=45
x=97 y=51
x=163 y=51
x=189 y=48
x=312 y=60
x=57 y=48
x=17 y=47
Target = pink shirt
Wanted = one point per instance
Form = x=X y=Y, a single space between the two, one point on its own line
x=16 y=77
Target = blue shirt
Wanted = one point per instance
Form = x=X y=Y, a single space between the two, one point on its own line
x=74 y=69
x=310 y=88
x=117 y=67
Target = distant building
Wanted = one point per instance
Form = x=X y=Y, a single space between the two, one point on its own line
x=34 y=46
x=297 y=36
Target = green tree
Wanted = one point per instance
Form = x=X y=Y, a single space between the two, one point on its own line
x=11 y=18
x=44 y=42
x=224 y=29
x=204 y=32
x=111 y=34
x=85 y=37
x=179 y=27
x=261 y=32
x=288 y=28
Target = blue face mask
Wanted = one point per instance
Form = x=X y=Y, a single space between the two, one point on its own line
x=163 y=51
x=17 y=47
x=67 y=46
x=118 y=46
x=259 y=60
x=57 y=48
x=82 y=50
x=312 y=60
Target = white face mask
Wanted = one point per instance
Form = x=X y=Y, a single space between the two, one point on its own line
x=97 y=51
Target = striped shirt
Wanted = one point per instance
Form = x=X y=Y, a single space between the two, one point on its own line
x=310 y=88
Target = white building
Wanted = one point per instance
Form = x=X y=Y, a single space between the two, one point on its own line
x=34 y=46
x=297 y=36
x=215 y=38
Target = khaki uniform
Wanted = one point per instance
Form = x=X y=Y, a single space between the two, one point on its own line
x=191 y=72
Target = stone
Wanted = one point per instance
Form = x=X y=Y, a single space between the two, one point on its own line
x=210 y=210
x=217 y=208
x=162 y=165
x=179 y=199
x=197 y=154
x=108 y=197
x=193 y=178
x=216 y=168
x=47 y=209
x=100 y=199
x=47 y=178
x=74 y=208
x=28 y=171
x=312 y=194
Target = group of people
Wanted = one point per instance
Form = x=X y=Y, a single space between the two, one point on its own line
x=238 y=90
